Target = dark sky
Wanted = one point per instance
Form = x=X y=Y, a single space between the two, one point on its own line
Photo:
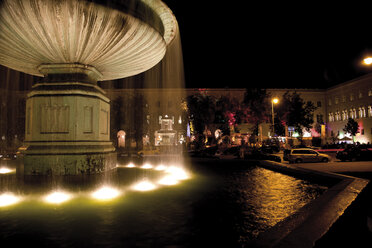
x=227 y=44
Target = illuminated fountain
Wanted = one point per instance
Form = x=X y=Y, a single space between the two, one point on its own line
x=166 y=136
x=73 y=44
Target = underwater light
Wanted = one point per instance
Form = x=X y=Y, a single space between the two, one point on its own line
x=105 y=193
x=178 y=173
x=168 y=180
x=57 y=197
x=160 y=167
x=7 y=199
x=131 y=165
x=6 y=170
x=147 y=166
x=144 y=185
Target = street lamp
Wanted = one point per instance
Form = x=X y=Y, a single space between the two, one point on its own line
x=367 y=61
x=273 y=101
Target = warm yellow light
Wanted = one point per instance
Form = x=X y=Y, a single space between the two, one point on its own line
x=57 y=197
x=160 y=167
x=7 y=199
x=147 y=166
x=275 y=100
x=178 y=173
x=367 y=61
x=131 y=165
x=144 y=185
x=6 y=170
x=168 y=180
x=106 y=193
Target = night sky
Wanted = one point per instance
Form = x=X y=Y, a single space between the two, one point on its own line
x=226 y=44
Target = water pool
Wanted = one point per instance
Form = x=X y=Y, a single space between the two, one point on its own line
x=222 y=206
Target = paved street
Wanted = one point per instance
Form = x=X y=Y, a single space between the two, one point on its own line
x=335 y=165
x=338 y=166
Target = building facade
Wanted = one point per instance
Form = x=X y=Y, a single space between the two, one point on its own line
x=352 y=99
x=138 y=113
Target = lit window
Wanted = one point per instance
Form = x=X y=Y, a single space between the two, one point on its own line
x=351 y=97
x=330 y=117
x=362 y=112
x=370 y=111
x=351 y=114
x=336 y=100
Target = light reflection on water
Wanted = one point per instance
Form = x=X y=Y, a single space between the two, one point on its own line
x=214 y=208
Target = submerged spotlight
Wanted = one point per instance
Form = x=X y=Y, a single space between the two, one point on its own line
x=144 y=185
x=160 y=167
x=168 y=180
x=57 y=197
x=106 y=193
x=131 y=165
x=178 y=173
x=6 y=170
x=147 y=166
x=7 y=199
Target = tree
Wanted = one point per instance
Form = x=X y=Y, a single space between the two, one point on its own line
x=201 y=111
x=351 y=127
x=294 y=111
x=256 y=106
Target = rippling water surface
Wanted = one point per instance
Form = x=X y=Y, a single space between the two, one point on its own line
x=222 y=206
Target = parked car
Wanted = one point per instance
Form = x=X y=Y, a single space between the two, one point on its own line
x=301 y=155
x=261 y=155
x=229 y=153
x=208 y=152
x=354 y=153
x=269 y=149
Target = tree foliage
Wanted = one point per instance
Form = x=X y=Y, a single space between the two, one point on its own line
x=201 y=109
x=351 y=127
x=294 y=111
x=256 y=106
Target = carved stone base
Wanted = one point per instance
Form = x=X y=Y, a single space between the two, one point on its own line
x=71 y=164
x=67 y=123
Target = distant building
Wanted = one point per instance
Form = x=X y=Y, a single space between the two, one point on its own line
x=352 y=99
x=138 y=113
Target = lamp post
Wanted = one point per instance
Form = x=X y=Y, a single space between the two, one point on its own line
x=367 y=61
x=273 y=101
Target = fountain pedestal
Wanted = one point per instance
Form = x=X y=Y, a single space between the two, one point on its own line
x=67 y=123
x=74 y=43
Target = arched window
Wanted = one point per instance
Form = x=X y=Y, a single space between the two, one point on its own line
x=362 y=112
x=330 y=117
x=121 y=138
x=344 y=115
x=351 y=114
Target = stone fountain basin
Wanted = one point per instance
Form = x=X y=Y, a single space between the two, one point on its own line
x=118 y=38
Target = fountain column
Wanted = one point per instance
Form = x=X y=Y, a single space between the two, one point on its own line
x=72 y=44
x=67 y=123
